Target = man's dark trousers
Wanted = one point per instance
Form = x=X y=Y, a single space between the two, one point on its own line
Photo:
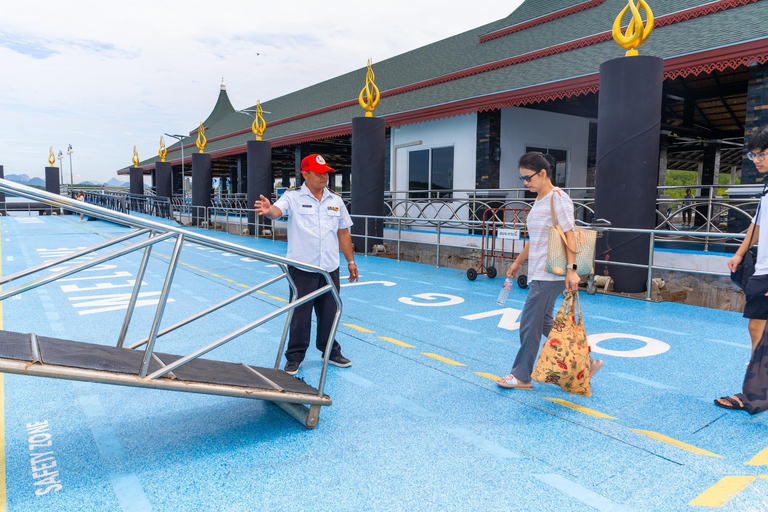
x=301 y=323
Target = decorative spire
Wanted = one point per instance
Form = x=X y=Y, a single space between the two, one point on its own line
x=163 y=151
x=370 y=95
x=259 y=124
x=51 y=157
x=636 y=33
x=201 y=140
x=223 y=85
x=135 y=158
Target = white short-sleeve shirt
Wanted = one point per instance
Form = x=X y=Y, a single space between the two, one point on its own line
x=313 y=226
x=761 y=265
x=538 y=222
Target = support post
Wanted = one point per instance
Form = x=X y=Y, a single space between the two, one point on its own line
x=201 y=186
x=259 y=180
x=368 y=138
x=628 y=132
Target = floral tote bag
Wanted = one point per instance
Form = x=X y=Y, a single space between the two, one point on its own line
x=564 y=359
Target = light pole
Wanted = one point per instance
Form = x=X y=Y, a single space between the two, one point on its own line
x=71 y=176
x=61 y=169
x=180 y=138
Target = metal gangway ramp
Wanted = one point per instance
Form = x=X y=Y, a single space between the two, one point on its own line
x=139 y=364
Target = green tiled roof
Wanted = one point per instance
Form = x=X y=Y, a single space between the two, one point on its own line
x=464 y=51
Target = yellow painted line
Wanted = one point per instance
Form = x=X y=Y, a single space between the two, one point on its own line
x=226 y=279
x=259 y=291
x=761 y=459
x=443 y=359
x=579 y=408
x=213 y=275
x=243 y=285
x=203 y=270
x=3 y=492
x=674 y=442
x=723 y=491
x=488 y=376
x=278 y=298
x=191 y=266
x=357 y=328
x=396 y=342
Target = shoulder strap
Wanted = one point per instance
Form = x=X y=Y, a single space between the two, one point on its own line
x=557 y=226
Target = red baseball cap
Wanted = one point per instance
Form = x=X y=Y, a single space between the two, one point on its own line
x=315 y=163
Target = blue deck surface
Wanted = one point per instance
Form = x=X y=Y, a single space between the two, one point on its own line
x=406 y=431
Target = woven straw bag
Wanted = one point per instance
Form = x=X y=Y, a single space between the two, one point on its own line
x=557 y=258
x=564 y=359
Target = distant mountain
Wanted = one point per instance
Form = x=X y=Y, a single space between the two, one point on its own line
x=18 y=178
x=35 y=182
x=114 y=182
x=92 y=183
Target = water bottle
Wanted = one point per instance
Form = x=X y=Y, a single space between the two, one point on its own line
x=504 y=293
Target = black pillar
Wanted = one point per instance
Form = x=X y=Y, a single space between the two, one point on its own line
x=163 y=186
x=628 y=130
x=234 y=182
x=709 y=172
x=137 y=180
x=3 y=210
x=52 y=184
x=177 y=181
x=260 y=181
x=163 y=179
x=153 y=179
x=368 y=137
x=201 y=186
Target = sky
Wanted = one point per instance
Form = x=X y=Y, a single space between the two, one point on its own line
x=105 y=76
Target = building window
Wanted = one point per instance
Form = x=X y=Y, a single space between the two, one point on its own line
x=560 y=179
x=431 y=170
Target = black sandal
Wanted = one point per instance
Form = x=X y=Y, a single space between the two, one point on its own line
x=735 y=403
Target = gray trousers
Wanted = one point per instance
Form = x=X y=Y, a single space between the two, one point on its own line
x=535 y=320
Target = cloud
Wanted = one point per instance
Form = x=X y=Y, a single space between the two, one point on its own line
x=105 y=77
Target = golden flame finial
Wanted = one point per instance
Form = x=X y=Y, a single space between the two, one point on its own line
x=370 y=95
x=201 y=140
x=636 y=33
x=259 y=124
x=135 y=157
x=51 y=157
x=162 y=151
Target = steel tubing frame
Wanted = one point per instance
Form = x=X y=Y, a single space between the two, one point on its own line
x=143 y=226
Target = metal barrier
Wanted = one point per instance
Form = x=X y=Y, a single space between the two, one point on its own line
x=147 y=368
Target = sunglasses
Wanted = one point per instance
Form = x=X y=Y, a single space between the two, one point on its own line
x=756 y=157
x=526 y=179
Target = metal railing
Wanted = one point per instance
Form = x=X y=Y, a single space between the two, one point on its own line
x=156 y=233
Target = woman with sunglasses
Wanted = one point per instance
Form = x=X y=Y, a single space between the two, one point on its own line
x=536 y=170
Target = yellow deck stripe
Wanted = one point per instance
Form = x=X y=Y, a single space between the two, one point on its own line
x=3 y=495
x=213 y=275
x=227 y=279
x=243 y=285
x=723 y=491
x=579 y=408
x=357 y=328
x=488 y=376
x=761 y=459
x=675 y=442
x=396 y=342
x=443 y=359
x=259 y=291
x=278 y=298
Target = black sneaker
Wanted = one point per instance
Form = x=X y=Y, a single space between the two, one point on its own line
x=292 y=367
x=340 y=361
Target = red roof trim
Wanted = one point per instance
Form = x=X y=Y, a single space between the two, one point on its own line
x=562 y=13
x=685 y=15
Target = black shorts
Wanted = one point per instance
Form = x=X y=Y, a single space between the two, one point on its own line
x=757 y=302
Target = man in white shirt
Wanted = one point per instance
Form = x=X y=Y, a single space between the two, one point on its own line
x=318 y=225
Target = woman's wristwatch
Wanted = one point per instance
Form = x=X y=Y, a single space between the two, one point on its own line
x=572 y=266
x=351 y=263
